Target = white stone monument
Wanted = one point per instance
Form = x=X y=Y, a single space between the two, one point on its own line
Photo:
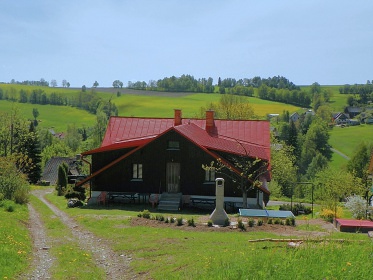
x=219 y=216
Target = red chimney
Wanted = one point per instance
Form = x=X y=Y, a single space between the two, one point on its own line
x=209 y=120
x=177 y=120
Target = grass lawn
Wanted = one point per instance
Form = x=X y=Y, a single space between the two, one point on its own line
x=347 y=139
x=187 y=253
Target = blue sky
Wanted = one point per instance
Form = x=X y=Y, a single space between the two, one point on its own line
x=329 y=42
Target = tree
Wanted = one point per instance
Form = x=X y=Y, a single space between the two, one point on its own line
x=62 y=180
x=95 y=84
x=57 y=149
x=31 y=150
x=245 y=171
x=53 y=83
x=84 y=88
x=117 y=84
x=68 y=84
x=331 y=186
x=73 y=137
x=231 y=107
x=64 y=83
x=35 y=113
x=315 y=141
x=358 y=164
x=100 y=128
x=284 y=170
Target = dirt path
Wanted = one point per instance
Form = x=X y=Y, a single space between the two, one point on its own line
x=116 y=266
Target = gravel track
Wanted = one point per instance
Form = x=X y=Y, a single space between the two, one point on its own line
x=116 y=265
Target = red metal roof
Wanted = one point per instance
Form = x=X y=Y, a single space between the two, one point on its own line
x=253 y=134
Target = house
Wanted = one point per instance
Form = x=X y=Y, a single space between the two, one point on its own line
x=353 y=111
x=165 y=155
x=340 y=118
x=294 y=117
x=50 y=173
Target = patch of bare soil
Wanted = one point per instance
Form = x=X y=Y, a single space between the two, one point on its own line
x=115 y=265
x=282 y=230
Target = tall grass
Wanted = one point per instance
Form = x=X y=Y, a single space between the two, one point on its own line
x=15 y=241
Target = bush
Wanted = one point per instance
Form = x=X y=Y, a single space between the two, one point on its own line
x=191 y=222
x=260 y=222
x=277 y=221
x=144 y=214
x=226 y=222
x=251 y=223
x=179 y=221
x=329 y=214
x=209 y=223
x=298 y=209
x=357 y=205
x=159 y=217
x=290 y=221
x=8 y=205
x=241 y=225
x=13 y=184
x=270 y=221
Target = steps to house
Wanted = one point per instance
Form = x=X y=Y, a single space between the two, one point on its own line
x=170 y=201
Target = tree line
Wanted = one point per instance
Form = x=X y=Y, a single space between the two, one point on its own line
x=88 y=101
x=363 y=94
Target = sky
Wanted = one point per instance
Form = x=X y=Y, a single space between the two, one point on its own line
x=83 y=41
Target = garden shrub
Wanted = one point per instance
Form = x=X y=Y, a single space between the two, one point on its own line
x=270 y=221
x=251 y=222
x=329 y=214
x=260 y=222
x=179 y=221
x=145 y=214
x=277 y=221
x=290 y=221
x=357 y=205
x=191 y=222
x=209 y=223
x=241 y=225
x=159 y=217
x=227 y=222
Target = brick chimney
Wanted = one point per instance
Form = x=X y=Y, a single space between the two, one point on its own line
x=210 y=120
x=178 y=119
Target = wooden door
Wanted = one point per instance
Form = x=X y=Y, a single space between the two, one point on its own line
x=173 y=177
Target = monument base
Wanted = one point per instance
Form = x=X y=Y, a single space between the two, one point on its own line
x=219 y=217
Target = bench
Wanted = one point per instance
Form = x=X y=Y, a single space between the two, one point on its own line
x=202 y=200
x=131 y=196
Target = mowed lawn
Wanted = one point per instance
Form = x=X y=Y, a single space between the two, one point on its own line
x=171 y=252
x=347 y=139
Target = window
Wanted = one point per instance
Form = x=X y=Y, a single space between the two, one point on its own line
x=210 y=174
x=173 y=145
x=137 y=171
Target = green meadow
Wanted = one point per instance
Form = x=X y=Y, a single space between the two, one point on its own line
x=160 y=106
x=50 y=116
